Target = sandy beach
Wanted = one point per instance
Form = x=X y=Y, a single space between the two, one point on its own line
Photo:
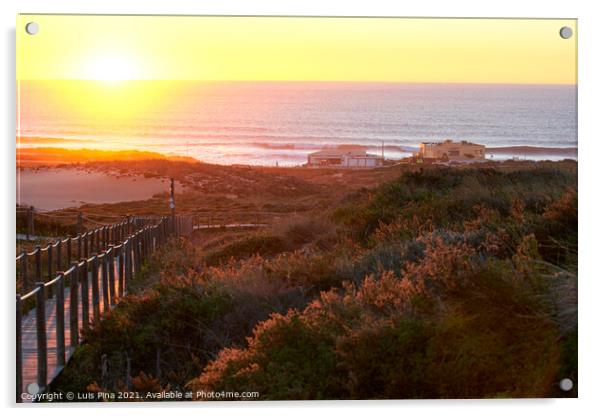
x=58 y=188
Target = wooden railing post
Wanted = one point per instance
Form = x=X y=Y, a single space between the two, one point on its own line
x=128 y=263
x=42 y=346
x=172 y=201
x=106 y=305
x=121 y=270
x=49 y=265
x=86 y=245
x=153 y=238
x=95 y=288
x=139 y=250
x=146 y=244
x=80 y=223
x=80 y=243
x=30 y=229
x=59 y=256
x=111 y=261
x=24 y=274
x=73 y=311
x=135 y=254
x=142 y=247
x=92 y=241
x=60 y=320
x=19 y=349
x=83 y=277
x=38 y=260
x=68 y=259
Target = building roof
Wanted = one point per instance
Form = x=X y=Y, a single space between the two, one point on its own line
x=451 y=142
x=340 y=152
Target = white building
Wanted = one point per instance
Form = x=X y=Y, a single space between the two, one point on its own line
x=450 y=150
x=344 y=158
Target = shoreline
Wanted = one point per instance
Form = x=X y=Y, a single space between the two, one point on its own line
x=56 y=188
x=142 y=186
x=52 y=151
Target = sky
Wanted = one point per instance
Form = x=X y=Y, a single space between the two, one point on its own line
x=116 y=48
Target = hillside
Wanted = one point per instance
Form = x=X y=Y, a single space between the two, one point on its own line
x=438 y=283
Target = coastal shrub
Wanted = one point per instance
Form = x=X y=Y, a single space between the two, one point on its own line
x=389 y=255
x=448 y=198
x=313 y=272
x=301 y=230
x=453 y=325
x=258 y=244
x=450 y=283
x=557 y=229
x=170 y=330
x=284 y=236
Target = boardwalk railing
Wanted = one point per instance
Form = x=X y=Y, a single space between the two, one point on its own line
x=83 y=290
x=42 y=263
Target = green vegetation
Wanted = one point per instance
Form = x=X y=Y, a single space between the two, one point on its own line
x=443 y=283
x=43 y=226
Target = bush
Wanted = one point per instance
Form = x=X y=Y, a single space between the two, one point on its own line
x=557 y=228
x=169 y=331
x=448 y=197
x=300 y=231
x=435 y=332
x=445 y=283
x=259 y=244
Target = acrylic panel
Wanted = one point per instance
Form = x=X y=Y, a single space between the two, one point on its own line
x=295 y=208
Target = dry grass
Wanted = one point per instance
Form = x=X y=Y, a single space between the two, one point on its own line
x=451 y=283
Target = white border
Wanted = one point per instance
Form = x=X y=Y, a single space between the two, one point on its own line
x=590 y=148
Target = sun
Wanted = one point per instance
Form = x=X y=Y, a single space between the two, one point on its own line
x=112 y=68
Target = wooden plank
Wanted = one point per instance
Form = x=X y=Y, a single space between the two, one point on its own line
x=57 y=332
x=29 y=338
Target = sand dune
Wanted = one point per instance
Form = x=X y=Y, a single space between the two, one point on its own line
x=58 y=188
x=534 y=151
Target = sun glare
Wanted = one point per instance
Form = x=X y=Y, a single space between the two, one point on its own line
x=111 y=68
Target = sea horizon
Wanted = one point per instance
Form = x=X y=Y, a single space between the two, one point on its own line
x=280 y=122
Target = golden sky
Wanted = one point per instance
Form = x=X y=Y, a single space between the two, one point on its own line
x=296 y=49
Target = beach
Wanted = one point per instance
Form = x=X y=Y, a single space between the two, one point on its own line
x=210 y=192
x=58 y=188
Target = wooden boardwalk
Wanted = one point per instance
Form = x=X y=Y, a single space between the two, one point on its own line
x=29 y=337
x=228 y=226
x=49 y=331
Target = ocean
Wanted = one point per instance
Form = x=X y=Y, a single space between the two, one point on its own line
x=269 y=123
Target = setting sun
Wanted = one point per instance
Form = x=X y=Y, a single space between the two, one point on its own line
x=111 y=67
